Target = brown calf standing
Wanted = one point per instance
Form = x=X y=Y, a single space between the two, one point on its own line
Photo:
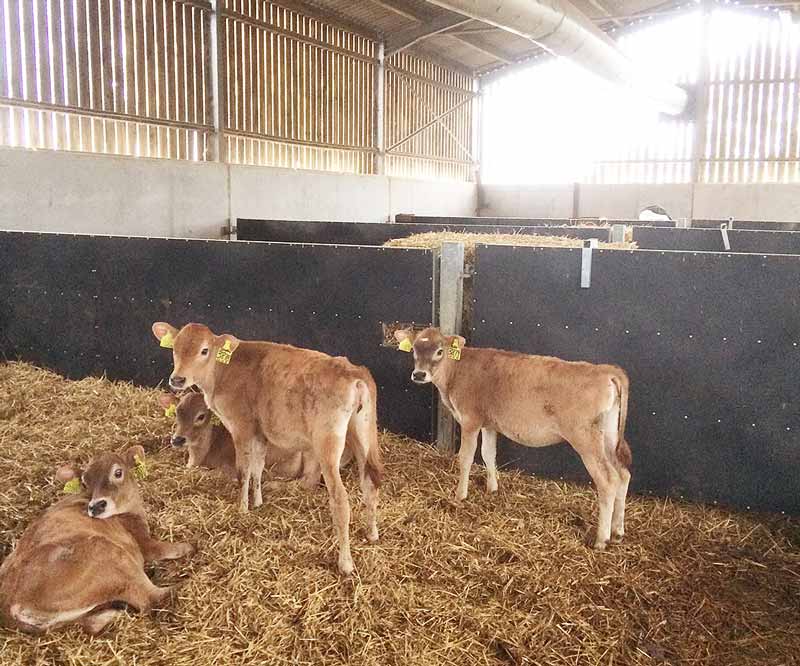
x=536 y=401
x=268 y=394
x=211 y=445
x=83 y=559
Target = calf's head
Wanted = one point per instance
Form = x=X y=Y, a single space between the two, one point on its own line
x=192 y=421
x=195 y=352
x=109 y=481
x=432 y=351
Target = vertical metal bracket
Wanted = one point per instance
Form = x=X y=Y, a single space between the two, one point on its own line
x=683 y=223
x=216 y=65
x=451 y=304
x=378 y=104
x=723 y=229
x=617 y=234
x=586 y=262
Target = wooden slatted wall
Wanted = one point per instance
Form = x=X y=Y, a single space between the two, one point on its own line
x=752 y=123
x=417 y=92
x=299 y=91
x=133 y=77
x=122 y=77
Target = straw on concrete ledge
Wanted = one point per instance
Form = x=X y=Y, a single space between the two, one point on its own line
x=434 y=239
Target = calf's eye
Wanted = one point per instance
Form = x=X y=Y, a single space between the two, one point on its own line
x=201 y=417
x=439 y=352
x=117 y=473
x=204 y=351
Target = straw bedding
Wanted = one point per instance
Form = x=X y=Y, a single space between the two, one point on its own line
x=502 y=579
x=434 y=239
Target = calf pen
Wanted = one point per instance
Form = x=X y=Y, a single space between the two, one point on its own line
x=501 y=579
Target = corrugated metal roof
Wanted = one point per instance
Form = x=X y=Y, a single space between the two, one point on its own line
x=475 y=47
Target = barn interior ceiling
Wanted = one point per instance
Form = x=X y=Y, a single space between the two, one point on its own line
x=476 y=47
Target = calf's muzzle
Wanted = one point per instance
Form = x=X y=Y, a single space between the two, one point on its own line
x=419 y=377
x=177 y=382
x=96 y=508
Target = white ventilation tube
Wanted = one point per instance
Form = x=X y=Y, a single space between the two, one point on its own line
x=562 y=30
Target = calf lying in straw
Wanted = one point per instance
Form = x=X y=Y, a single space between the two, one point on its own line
x=268 y=394
x=210 y=444
x=536 y=401
x=83 y=559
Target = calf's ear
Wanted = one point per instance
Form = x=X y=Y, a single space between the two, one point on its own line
x=461 y=341
x=166 y=400
x=162 y=329
x=67 y=473
x=132 y=453
x=220 y=340
x=405 y=334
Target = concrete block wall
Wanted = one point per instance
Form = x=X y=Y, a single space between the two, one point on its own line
x=85 y=193
x=778 y=202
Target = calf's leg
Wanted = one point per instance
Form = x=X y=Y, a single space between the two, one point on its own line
x=618 y=517
x=142 y=594
x=155 y=551
x=94 y=623
x=361 y=436
x=311 y=471
x=243 y=443
x=329 y=453
x=489 y=455
x=257 y=462
x=466 y=456
x=606 y=481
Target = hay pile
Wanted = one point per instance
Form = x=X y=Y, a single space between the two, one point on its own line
x=434 y=239
x=504 y=579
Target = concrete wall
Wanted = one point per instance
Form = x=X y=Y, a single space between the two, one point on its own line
x=54 y=191
x=74 y=192
x=526 y=200
x=625 y=201
x=743 y=202
x=748 y=202
x=286 y=194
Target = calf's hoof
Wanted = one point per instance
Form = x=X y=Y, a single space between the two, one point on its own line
x=346 y=566
x=372 y=535
x=163 y=597
x=600 y=544
x=96 y=623
x=617 y=537
x=186 y=549
x=491 y=486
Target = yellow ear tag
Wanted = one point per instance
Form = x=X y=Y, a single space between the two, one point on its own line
x=170 y=411
x=73 y=486
x=140 y=470
x=167 y=340
x=405 y=345
x=224 y=353
x=454 y=352
x=215 y=419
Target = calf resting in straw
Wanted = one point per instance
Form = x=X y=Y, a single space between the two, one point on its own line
x=268 y=394
x=83 y=559
x=210 y=444
x=536 y=401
